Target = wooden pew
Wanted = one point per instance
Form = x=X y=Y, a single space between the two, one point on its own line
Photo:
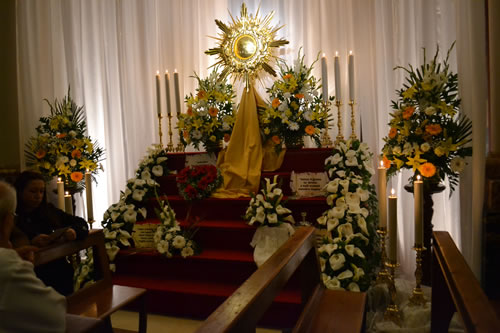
x=80 y=324
x=324 y=310
x=102 y=298
x=455 y=288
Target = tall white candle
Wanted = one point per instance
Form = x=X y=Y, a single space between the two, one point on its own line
x=60 y=193
x=177 y=93
x=324 y=78
x=382 y=195
x=68 y=203
x=418 y=195
x=158 y=96
x=351 y=76
x=167 y=90
x=338 y=97
x=393 y=227
x=88 y=192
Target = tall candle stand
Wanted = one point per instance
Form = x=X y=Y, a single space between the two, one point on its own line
x=417 y=297
x=383 y=274
x=340 y=137
x=353 y=121
x=91 y=222
x=326 y=141
x=392 y=312
x=180 y=147
x=170 y=145
x=159 y=129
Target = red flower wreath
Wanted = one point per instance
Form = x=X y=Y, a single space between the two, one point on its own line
x=198 y=182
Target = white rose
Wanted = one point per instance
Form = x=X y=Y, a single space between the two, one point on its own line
x=72 y=162
x=425 y=147
x=157 y=170
x=162 y=246
x=457 y=164
x=179 y=242
x=187 y=252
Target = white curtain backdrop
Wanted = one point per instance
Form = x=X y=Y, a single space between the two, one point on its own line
x=109 y=52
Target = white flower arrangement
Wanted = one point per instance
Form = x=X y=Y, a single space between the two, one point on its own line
x=266 y=209
x=84 y=274
x=169 y=238
x=120 y=218
x=349 y=257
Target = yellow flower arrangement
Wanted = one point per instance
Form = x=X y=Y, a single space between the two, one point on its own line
x=209 y=118
x=61 y=148
x=427 y=133
x=296 y=109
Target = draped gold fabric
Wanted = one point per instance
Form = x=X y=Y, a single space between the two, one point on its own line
x=241 y=163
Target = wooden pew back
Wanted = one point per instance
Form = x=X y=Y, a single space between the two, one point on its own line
x=455 y=288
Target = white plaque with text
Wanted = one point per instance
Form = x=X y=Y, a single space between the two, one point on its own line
x=143 y=235
x=308 y=184
x=200 y=159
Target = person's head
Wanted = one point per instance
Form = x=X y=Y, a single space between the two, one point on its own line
x=30 y=187
x=7 y=209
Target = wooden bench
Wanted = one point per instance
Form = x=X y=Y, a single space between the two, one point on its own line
x=102 y=298
x=455 y=288
x=323 y=310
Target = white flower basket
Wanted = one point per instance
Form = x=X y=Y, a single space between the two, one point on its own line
x=267 y=240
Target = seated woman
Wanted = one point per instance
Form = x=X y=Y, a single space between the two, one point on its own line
x=37 y=220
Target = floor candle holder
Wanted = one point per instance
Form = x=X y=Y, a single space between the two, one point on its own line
x=383 y=274
x=160 y=133
x=392 y=312
x=170 y=145
x=340 y=137
x=91 y=222
x=417 y=297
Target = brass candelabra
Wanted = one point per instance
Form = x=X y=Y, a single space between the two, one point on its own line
x=353 y=121
x=160 y=133
x=383 y=274
x=417 y=297
x=340 y=137
x=392 y=312
x=91 y=222
x=180 y=147
x=170 y=145
x=326 y=141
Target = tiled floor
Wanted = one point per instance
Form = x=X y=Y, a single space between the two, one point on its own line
x=162 y=324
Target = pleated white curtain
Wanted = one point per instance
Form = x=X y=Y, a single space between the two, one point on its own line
x=109 y=52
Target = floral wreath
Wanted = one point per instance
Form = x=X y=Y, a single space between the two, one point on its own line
x=350 y=256
x=427 y=133
x=266 y=209
x=198 y=182
x=61 y=147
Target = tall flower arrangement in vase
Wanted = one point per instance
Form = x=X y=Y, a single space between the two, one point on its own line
x=210 y=114
x=427 y=132
x=61 y=146
x=350 y=255
x=296 y=108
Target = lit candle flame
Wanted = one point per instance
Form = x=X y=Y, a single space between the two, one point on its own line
x=166 y=71
x=336 y=53
x=157 y=72
x=418 y=177
x=175 y=70
x=66 y=193
x=381 y=164
x=59 y=179
x=350 y=52
x=324 y=55
x=393 y=191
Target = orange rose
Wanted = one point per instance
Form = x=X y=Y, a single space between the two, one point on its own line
x=310 y=129
x=189 y=111
x=201 y=94
x=40 y=154
x=61 y=135
x=227 y=137
x=276 y=103
x=76 y=153
x=288 y=76
x=393 y=132
x=427 y=170
x=213 y=111
x=408 y=112
x=386 y=162
x=76 y=176
x=276 y=139
x=433 y=129
x=299 y=96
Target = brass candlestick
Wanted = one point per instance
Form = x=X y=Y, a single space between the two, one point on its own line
x=383 y=274
x=159 y=129
x=417 y=297
x=392 y=312
x=170 y=145
x=340 y=137
x=180 y=147
x=326 y=141
x=353 y=121
x=90 y=223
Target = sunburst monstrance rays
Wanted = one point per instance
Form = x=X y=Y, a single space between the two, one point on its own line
x=247 y=45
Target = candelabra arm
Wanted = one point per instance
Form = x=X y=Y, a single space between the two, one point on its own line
x=170 y=145
x=353 y=121
x=339 y=137
x=160 y=133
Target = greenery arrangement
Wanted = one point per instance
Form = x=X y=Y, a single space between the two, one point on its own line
x=61 y=147
x=427 y=133
x=296 y=108
x=210 y=114
x=169 y=238
x=351 y=254
x=198 y=182
x=266 y=208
